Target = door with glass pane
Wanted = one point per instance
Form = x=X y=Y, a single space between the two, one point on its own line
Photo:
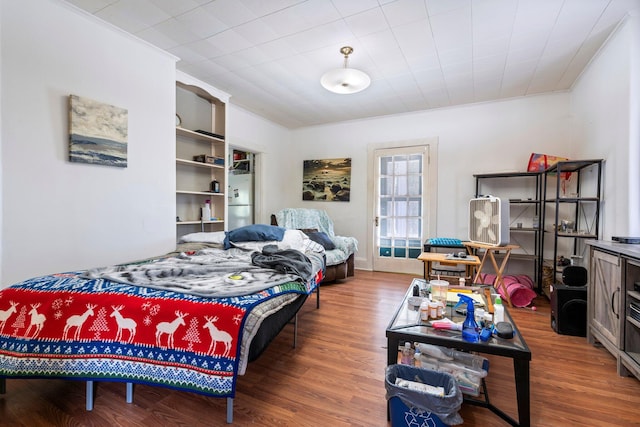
x=400 y=218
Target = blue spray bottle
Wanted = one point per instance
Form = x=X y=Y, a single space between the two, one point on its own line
x=469 y=326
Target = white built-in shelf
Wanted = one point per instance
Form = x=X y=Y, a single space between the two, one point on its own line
x=198 y=136
x=217 y=221
x=198 y=164
x=199 y=193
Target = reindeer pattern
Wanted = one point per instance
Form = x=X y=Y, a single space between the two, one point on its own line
x=123 y=323
x=217 y=336
x=169 y=328
x=5 y=314
x=76 y=321
x=37 y=321
x=66 y=312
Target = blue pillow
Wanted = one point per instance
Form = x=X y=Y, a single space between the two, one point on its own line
x=322 y=238
x=254 y=232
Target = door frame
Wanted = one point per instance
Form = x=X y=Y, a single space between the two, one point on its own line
x=431 y=185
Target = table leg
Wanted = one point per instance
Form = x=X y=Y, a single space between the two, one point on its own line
x=476 y=279
x=392 y=351
x=499 y=283
x=521 y=372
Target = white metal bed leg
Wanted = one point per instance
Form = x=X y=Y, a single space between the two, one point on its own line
x=89 y=404
x=229 y=410
x=129 y=392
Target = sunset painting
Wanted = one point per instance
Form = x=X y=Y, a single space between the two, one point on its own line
x=327 y=180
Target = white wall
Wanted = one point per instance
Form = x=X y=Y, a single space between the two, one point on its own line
x=490 y=137
x=604 y=103
x=59 y=215
x=250 y=132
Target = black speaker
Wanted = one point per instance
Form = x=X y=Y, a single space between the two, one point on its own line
x=569 y=310
x=574 y=275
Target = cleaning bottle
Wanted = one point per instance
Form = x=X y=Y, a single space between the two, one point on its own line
x=469 y=326
x=206 y=211
x=498 y=311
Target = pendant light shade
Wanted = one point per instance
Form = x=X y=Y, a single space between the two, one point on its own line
x=345 y=80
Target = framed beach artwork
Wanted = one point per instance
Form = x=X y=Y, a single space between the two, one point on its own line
x=97 y=132
x=327 y=180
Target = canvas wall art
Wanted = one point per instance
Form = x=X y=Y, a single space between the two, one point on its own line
x=327 y=180
x=98 y=132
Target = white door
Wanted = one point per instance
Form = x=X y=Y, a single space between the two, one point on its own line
x=402 y=208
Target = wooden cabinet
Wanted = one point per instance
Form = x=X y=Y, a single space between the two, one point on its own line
x=613 y=313
x=604 y=299
x=630 y=357
x=201 y=150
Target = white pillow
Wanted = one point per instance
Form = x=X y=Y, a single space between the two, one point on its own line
x=292 y=239
x=211 y=237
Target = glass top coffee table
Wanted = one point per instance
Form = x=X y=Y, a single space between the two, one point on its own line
x=406 y=326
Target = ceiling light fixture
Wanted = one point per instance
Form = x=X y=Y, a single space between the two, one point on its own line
x=345 y=80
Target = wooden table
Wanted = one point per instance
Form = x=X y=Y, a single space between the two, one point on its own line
x=470 y=262
x=489 y=255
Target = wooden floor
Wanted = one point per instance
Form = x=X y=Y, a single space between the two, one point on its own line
x=335 y=377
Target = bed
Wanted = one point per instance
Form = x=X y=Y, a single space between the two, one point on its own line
x=189 y=320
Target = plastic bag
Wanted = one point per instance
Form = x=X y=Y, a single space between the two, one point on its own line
x=445 y=407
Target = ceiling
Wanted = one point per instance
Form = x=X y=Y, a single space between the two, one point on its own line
x=420 y=54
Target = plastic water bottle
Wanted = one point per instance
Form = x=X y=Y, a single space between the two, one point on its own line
x=498 y=311
x=406 y=357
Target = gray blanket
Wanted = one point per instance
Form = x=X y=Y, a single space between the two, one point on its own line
x=210 y=273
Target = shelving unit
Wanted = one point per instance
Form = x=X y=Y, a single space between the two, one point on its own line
x=570 y=212
x=241 y=162
x=199 y=111
x=524 y=191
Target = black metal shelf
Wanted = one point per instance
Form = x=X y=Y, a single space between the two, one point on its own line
x=553 y=176
x=533 y=203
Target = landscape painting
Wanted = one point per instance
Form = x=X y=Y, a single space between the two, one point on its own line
x=327 y=180
x=98 y=132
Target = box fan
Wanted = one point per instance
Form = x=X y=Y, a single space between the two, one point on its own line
x=489 y=221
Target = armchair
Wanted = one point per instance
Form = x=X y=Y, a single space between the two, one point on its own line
x=340 y=258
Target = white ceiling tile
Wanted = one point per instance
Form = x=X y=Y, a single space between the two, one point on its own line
x=187 y=54
x=230 y=12
x=262 y=8
x=420 y=54
x=134 y=15
x=302 y=17
x=256 y=32
x=333 y=34
x=367 y=22
x=157 y=38
x=493 y=19
x=202 y=23
x=437 y=7
x=91 y=6
x=352 y=7
x=228 y=41
x=177 y=31
x=175 y=8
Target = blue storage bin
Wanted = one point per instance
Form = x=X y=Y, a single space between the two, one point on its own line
x=410 y=408
x=401 y=415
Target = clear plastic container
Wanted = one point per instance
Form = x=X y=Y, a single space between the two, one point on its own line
x=468 y=369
